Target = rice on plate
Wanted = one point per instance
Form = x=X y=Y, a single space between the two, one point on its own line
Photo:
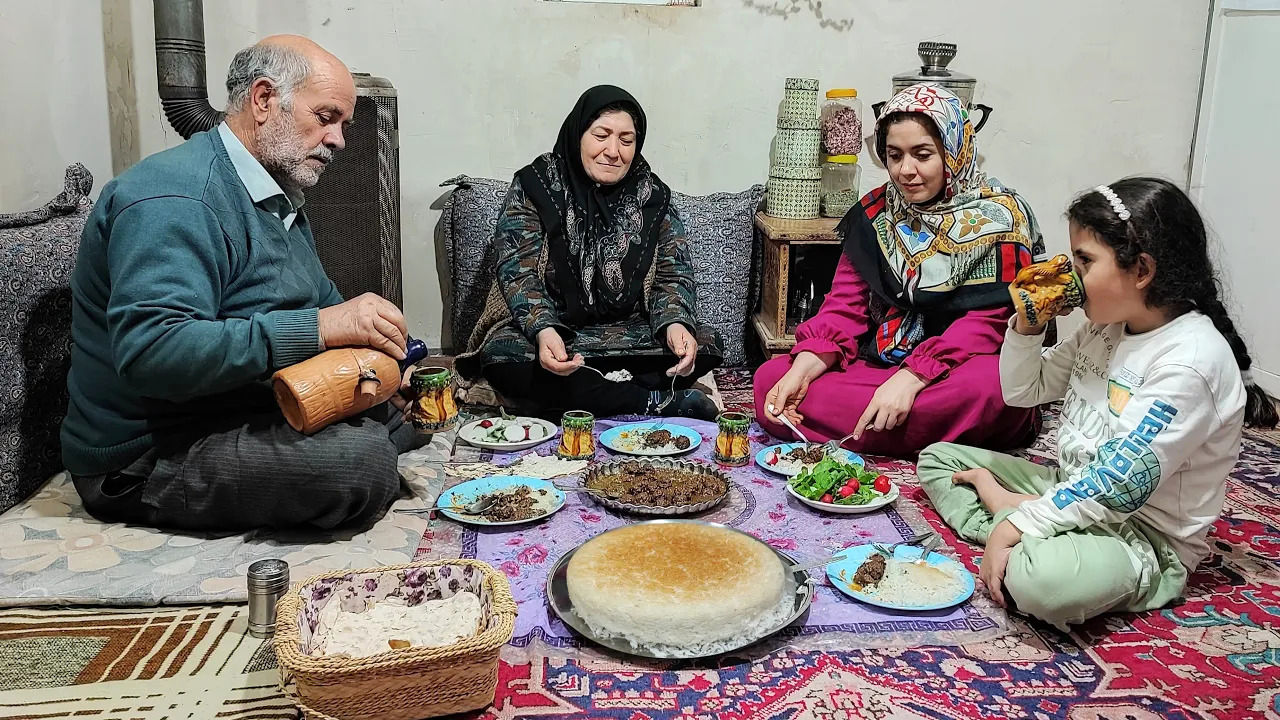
x=901 y=582
x=908 y=582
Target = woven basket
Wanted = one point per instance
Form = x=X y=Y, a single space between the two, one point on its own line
x=398 y=684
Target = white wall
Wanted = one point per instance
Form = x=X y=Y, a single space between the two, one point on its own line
x=1237 y=153
x=1084 y=92
x=55 y=99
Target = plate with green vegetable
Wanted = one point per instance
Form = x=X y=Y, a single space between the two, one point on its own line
x=506 y=433
x=837 y=486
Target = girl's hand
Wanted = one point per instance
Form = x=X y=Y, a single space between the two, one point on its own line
x=995 y=559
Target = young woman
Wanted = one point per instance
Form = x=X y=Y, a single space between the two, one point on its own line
x=903 y=352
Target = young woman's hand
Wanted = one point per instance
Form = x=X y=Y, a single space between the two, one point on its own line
x=890 y=404
x=785 y=396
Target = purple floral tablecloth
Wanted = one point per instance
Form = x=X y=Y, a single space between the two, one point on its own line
x=758 y=504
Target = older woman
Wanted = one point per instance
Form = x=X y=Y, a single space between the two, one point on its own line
x=593 y=269
x=904 y=351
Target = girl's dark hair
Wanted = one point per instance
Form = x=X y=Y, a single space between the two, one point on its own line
x=1165 y=224
x=893 y=118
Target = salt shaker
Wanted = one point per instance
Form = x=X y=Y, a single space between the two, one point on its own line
x=267 y=581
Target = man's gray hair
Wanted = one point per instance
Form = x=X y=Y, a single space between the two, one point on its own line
x=286 y=68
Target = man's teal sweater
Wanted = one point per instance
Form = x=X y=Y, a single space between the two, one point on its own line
x=186 y=297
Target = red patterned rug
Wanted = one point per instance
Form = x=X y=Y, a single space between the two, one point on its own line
x=1216 y=655
x=735 y=387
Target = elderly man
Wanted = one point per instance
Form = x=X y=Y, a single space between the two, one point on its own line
x=197 y=278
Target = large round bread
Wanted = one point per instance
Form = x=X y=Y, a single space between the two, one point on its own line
x=679 y=585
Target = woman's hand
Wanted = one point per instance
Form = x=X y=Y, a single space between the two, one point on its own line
x=685 y=347
x=890 y=403
x=553 y=356
x=995 y=559
x=785 y=396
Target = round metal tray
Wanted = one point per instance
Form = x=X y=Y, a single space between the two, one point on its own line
x=562 y=605
x=612 y=468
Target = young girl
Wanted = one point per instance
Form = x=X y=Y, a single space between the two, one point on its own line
x=1155 y=391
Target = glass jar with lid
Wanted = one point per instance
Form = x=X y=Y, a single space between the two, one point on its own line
x=841 y=119
x=840 y=178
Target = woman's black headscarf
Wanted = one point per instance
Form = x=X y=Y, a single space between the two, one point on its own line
x=601 y=237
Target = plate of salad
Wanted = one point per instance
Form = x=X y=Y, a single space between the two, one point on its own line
x=842 y=487
x=507 y=434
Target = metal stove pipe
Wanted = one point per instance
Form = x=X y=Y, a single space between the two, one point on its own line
x=180 y=66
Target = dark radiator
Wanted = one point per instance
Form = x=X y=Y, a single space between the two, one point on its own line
x=355 y=208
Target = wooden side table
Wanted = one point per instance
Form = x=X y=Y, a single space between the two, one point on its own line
x=780 y=235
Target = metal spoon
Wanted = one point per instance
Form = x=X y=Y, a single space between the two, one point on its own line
x=888 y=550
x=475 y=508
x=594 y=370
x=628 y=377
x=663 y=406
x=928 y=547
x=818 y=563
x=579 y=488
x=783 y=419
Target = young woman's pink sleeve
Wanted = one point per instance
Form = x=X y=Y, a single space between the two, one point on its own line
x=977 y=332
x=841 y=320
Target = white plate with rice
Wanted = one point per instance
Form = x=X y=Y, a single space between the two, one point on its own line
x=937 y=583
x=775 y=459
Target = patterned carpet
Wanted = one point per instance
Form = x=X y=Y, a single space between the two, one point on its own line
x=734 y=385
x=1216 y=655
x=153 y=664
